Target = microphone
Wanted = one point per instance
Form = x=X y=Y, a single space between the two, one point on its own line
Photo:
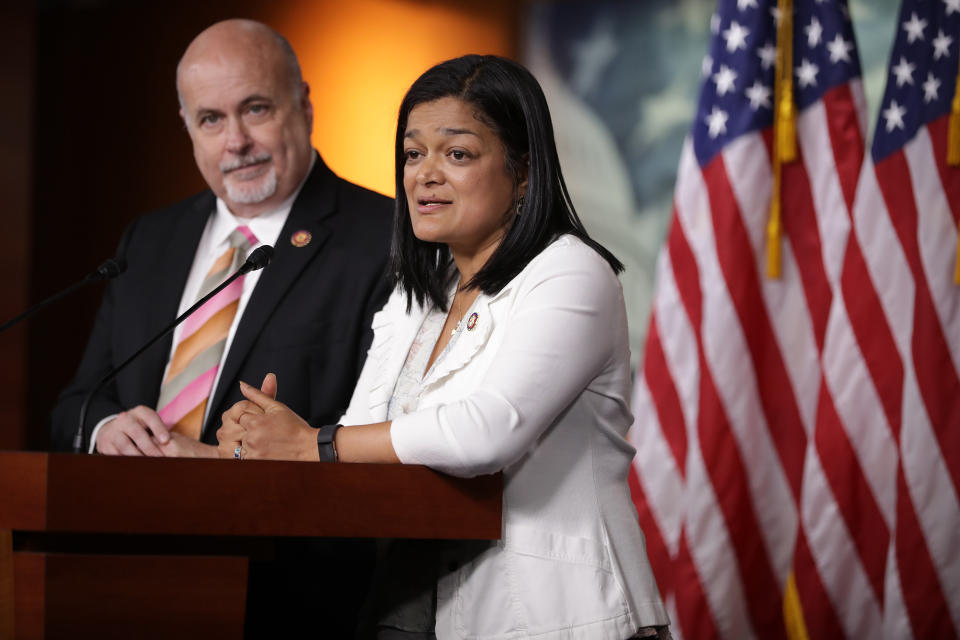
x=258 y=259
x=109 y=269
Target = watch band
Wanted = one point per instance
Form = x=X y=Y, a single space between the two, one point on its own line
x=326 y=446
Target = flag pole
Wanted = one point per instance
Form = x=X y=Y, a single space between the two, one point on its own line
x=784 y=150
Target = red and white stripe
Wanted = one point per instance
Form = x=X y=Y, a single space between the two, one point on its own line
x=906 y=220
x=769 y=428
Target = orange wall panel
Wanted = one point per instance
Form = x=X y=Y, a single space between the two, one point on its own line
x=360 y=57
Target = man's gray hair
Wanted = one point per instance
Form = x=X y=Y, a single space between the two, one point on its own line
x=294 y=75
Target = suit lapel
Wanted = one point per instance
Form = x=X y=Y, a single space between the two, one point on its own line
x=316 y=201
x=160 y=297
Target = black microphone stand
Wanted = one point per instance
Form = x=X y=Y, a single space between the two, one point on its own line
x=257 y=260
x=109 y=269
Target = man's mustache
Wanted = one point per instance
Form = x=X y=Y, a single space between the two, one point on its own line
x=244 y=161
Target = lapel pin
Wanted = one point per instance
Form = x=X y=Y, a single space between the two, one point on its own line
x=301 y=238
x=472 y=321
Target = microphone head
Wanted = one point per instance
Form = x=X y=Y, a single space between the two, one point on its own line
x=258 y=258
x=110 y=269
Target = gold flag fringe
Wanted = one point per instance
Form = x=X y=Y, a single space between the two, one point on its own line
x=784 y=131
x=793 y=611
x=953 y=135
x=953 y=153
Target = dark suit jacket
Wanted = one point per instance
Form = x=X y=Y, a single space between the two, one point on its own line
x=308 y=320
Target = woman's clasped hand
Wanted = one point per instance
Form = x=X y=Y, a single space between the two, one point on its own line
x=264 y=428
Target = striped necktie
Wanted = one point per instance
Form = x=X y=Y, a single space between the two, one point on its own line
x=196 y=360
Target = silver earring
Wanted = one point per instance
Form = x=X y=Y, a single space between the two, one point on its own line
x=520 y=202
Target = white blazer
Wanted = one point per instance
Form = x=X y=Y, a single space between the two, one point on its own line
x=539 y=389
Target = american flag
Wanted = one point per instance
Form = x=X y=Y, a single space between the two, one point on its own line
x=905 y=221
x=799 y=438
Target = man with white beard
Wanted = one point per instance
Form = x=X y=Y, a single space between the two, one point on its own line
x=249 y=116
x=306 y=317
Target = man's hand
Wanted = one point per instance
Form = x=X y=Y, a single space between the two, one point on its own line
x=181 y=446
x=137 y=432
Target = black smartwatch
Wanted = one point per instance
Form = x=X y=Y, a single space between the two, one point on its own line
x=326 y=446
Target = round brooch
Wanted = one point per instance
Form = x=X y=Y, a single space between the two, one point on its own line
x=472 y=321
x=301 y=238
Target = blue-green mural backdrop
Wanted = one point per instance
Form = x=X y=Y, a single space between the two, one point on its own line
x=622 y=80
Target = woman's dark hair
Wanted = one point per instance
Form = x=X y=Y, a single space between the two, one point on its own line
x=509 y=100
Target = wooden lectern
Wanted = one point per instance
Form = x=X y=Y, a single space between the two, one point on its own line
x=96 y=546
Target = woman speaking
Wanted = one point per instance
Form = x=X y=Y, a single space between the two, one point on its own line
x=503 y=348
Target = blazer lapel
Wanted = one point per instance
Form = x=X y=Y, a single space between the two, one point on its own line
x=161 y=295
x=467 y=344
x=470 y=341
x=316 y=201
x=391 y=354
